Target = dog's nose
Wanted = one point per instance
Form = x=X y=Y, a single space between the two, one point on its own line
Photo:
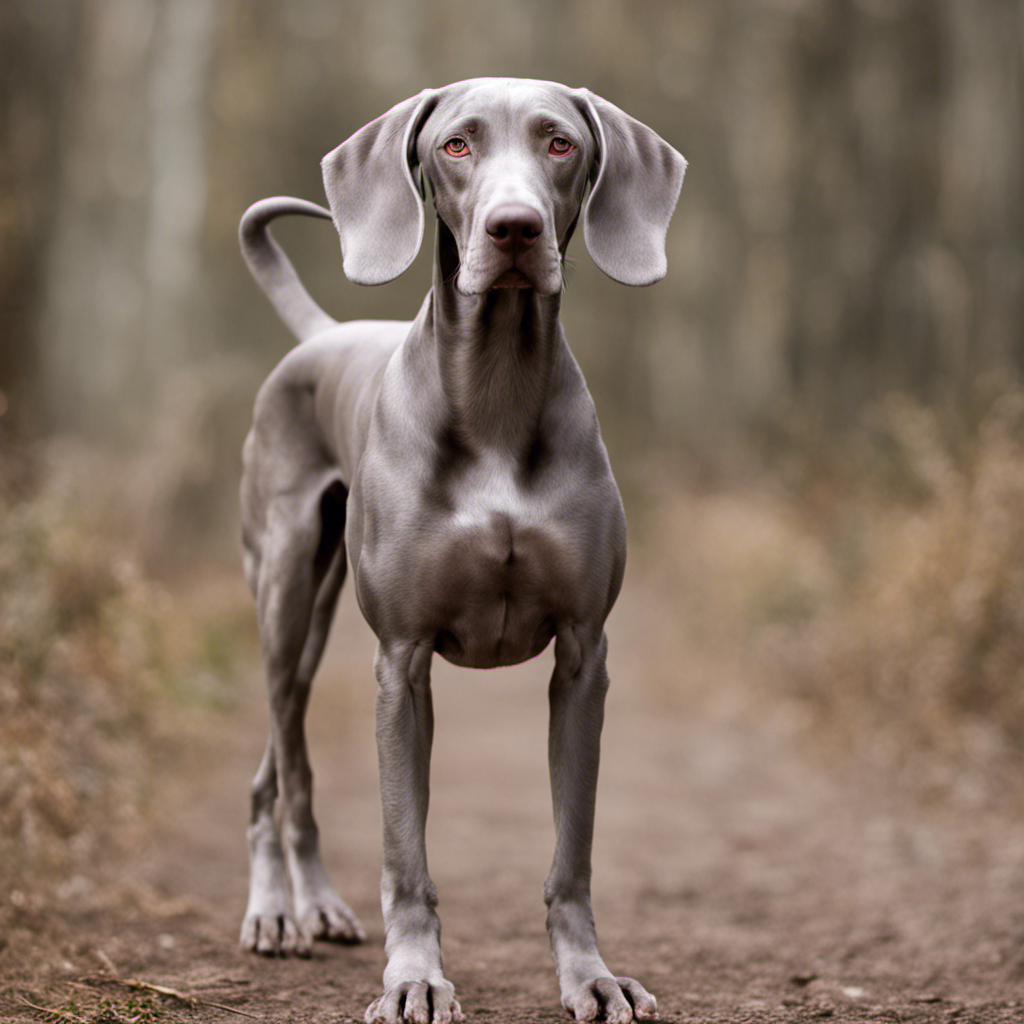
x=514 y=226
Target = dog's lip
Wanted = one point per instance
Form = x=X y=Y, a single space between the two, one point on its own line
x=512 y=278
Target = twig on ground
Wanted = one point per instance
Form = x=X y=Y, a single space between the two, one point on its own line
x=172 y=993
x=60 y=1014
x=162 y=990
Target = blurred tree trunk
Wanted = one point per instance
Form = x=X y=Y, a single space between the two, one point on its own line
x=37 y=53
x=125 y=252
x=910 y=202
x=852 y=220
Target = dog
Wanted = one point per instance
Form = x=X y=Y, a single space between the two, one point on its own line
x=457 y=460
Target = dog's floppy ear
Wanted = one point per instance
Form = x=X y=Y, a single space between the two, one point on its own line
x=636 y=183
x=376 y=204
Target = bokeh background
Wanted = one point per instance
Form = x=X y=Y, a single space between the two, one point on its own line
x=816 y=418
x=851 y=223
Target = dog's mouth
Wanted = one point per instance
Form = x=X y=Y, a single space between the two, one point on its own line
x=513 y=278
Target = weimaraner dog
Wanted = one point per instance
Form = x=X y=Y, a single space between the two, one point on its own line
x=458 y=460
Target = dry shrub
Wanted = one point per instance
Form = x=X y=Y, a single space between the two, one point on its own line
x=924 y=649
x=867 y=592
x=93 y=659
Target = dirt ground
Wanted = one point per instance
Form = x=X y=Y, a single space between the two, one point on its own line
x=742 y=873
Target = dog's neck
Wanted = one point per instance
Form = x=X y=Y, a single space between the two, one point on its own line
x=496 y=355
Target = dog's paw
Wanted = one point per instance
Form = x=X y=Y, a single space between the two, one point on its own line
x=615 y=1000
x=416 y=1002
x=330 y=918
x=274 y=934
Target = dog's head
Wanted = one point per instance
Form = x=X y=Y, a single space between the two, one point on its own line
x=508 y=162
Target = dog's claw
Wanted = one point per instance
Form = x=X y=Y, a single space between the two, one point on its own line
x=616 y=1000
x=333 y=921
x=416 y=1002
x=273 y=935
x=645 y=1006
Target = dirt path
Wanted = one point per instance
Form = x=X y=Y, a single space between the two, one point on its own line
x=735 y=874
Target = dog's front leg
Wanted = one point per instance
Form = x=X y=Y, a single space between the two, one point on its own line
x=577 y=694
x=415 y=988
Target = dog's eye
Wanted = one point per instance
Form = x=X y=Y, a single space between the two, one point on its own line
x=456 y=147
x=560 y=146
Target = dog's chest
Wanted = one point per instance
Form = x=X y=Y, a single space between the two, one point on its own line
x=500 y=565
x=487 y=578
x=500 y=583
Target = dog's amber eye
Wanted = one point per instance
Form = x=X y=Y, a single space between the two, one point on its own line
x=456 y=147
x=560 y=146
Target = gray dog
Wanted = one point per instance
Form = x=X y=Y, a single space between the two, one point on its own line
x=458 y=460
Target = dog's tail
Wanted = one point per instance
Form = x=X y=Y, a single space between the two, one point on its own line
x=273 y=270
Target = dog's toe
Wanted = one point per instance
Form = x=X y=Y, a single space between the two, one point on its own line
x=332 y=919
x=418 y=1002
x=273 y=935
x=615 y=1000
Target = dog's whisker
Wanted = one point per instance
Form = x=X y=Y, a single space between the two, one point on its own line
x=455 y=273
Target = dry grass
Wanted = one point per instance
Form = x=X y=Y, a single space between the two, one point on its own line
x=93 y=657
x=881 y=605
x=925 y=648
x=876 y=590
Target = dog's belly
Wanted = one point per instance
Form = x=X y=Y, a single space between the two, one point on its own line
x=501 y=587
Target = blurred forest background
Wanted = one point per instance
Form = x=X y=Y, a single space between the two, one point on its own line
x=817 y=417
x=851 y=224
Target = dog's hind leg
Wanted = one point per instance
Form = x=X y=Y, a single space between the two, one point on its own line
x=268 y=926
x=297 y=577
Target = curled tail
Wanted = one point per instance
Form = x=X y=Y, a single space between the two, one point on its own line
x=273 y=270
